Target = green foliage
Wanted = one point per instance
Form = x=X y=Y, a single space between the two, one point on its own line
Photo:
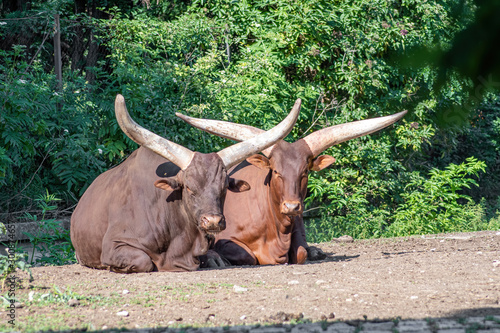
x=337 y=57
x=247 y=62
x=162 y=68
x=51 y=241
x=366 y=190
x=55 y=296
x=473 y=58
x=47 y=139
x=428 y=205
x=11 y=261
x=435 y=204
x=481 y=136
x=8 y=266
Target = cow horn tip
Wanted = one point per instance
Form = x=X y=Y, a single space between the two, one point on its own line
x=120 y=107
x=401 y=114
x=182 y=116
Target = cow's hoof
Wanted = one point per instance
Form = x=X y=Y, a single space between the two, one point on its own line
x=217 y=263
x=213 y=260
x=314 y=253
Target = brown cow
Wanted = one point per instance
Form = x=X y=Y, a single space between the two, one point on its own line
x=156 y=210
x=265 y=224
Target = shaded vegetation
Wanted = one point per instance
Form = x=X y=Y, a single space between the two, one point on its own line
x=247 y=62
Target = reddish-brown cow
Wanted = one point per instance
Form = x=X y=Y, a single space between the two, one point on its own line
x=156 y=209
x=265 y=224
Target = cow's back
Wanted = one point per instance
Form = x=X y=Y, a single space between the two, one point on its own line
x=89 y=221
x=113 y=198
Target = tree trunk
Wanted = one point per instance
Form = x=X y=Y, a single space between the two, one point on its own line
x=78 y=42
x=92 y=56
x=93 y=47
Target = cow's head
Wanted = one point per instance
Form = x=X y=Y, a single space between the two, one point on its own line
x=289 y=163
x=204 y=183
x=202 y=178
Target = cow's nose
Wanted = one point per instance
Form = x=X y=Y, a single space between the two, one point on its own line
x=291 y=208
x=213 y=222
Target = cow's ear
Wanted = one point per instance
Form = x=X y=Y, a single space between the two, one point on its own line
x=321 y=162
x=238 y=185
x=168 y=184
x=259 y=161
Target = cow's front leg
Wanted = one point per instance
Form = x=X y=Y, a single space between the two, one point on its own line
x=297 y=255
x=234 y=253
x=299 y=250
x=123 y=258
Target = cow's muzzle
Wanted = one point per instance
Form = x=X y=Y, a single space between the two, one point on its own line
x=291 y=208
x=212 y=223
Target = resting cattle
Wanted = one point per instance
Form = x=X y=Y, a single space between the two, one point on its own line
x=265 y=224
x=157 y=209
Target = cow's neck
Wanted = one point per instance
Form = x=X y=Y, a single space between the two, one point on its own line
x=179 y=240
x=278 y=237
x=283 y=223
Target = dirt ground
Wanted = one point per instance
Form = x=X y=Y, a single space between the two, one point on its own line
x=433 y=276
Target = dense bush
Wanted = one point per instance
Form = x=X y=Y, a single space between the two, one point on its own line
x=247 y=62
x=48 y=139
x=51 y=242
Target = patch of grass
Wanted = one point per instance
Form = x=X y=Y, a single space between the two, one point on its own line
x=474 y=328
x=147 y=301
x=15 y=258
x=183 y=293
x=492 y=318
x=55 y=321
x=42 y=297
x=48 y=297
x=223 y=285
x=432 y=324
x=300 y=321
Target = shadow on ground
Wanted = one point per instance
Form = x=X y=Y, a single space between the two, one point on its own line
x=462 y=321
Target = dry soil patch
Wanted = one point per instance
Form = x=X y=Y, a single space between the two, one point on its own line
x=434 y=276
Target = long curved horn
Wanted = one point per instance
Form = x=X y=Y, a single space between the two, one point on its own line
x=224 y=129
x=317 y=141
x=327 y=137
x=228 y=130
x=173 y=152
x=238 y=152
